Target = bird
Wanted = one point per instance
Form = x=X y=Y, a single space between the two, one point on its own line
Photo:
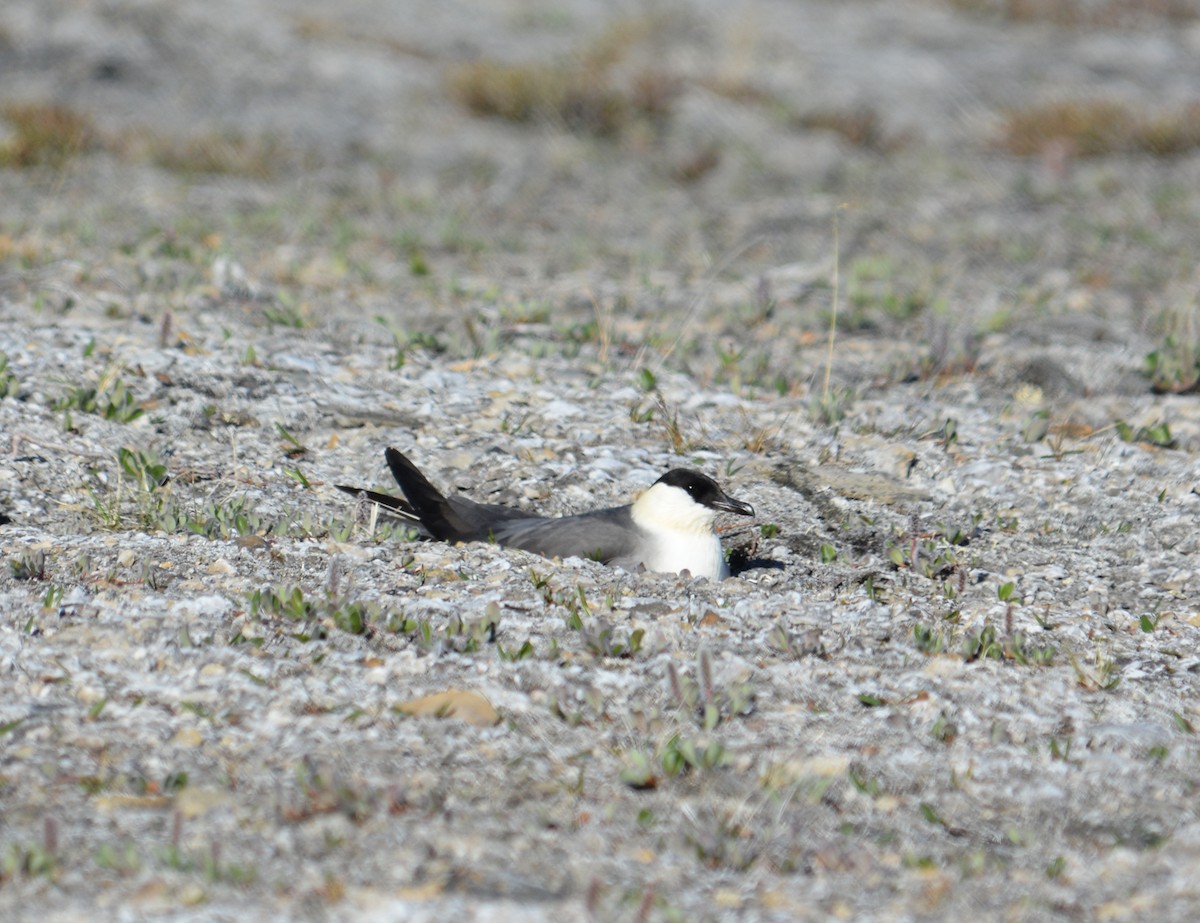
x=669 y=528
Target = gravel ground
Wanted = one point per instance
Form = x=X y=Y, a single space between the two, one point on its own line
x=955 y=673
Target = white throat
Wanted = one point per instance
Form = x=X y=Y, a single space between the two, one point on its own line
x=679 y=533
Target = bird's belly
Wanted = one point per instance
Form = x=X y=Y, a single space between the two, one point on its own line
x=701 y=555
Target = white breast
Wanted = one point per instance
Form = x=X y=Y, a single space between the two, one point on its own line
x=701 y=555
x=678 y=533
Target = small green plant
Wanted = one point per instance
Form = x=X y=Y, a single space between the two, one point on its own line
x=944 y=729
x=948 y=433
x=574 y=602
x=406 y=342
x=875 y=290
x=698 y=695
x=986 y=644
x=1037 y=424
x=602 y=640
x=573 y=620
x=208 y=864
x=8 y=380
x=830 y=407
x=142 y=491
x=144 y=468
x=929 y=640
x=287 y=602
x=1061 y=750
x=293 y=448
x=667 y=417
x=929 y=557
x=410 y=244
x=28 y=565
x=284 y=315
x=138 y=490
x=1156 y=434
x=232 y=517
x=641 y=414
x=1174 y=368
x=349 y=615
x=864 y=783
x=516 y=654
x=1104 y=674
x=365 y=514
x=638 y=771
x=27 y=862
x=676 y=756
x=52 y=598
x=457 y=635
x=463 y=636
x=982 y=644
x=7 y=727
x=931 y=815
x=682 y=754
x=782 y=640
x=113 y=401
x=123 y=860
x=1023 y=650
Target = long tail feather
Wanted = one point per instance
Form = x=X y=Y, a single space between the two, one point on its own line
x=397 y=505
x=436 y=513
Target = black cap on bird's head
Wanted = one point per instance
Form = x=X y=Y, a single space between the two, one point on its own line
x=704 y=491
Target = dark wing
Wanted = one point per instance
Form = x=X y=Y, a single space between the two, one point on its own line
x=480 y=517
x=607 y=536
x=454 y=519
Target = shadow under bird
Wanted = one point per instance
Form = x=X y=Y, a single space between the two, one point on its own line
x=669 y=528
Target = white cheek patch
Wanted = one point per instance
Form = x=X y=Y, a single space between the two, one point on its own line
x=664 y=508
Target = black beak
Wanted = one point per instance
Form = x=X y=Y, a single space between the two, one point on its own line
x=726 y=504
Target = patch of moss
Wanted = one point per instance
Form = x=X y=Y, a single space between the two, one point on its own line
x=1107 y=14
x=1099 y=127
x=44 y=135
x=593 y=92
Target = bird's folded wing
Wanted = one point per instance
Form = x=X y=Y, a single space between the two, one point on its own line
x=606 y=535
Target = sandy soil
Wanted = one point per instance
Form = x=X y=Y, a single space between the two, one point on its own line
x=956 y=671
